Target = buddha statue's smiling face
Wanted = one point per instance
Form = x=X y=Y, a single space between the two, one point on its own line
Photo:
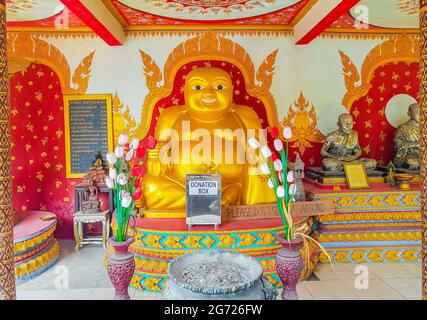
x=208 y=93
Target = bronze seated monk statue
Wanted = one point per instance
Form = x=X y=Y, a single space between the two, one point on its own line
x=342 y=146
x=407 y=141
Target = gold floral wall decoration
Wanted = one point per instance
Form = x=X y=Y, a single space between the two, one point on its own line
x=15 y=6
x=411 y=7
x=401 y=48
x=81 y=75
x=23 y=45
x=123 y=122
x=302 y=119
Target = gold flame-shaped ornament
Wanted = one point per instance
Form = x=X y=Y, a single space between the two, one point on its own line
x=302 y=119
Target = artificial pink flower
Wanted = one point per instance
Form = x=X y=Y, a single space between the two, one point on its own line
x=274 y=132
x=136 y=171
x=152 y=143
x=137 y=194
x=137 y=182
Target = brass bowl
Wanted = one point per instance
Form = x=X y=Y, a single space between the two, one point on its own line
x=403 y=179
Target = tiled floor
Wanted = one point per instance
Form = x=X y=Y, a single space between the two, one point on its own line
x=82 y=276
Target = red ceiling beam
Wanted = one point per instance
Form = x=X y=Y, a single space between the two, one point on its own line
x=97 y=17
x=319 y=18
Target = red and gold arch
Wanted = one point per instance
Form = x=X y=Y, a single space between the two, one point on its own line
x=391 y=68
x=208 y=49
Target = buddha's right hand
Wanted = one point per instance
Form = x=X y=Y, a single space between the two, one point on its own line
x=154 y=167
x=154 y=163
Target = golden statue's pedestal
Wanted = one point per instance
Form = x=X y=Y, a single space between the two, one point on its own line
x=159 y=241
x=380 y=224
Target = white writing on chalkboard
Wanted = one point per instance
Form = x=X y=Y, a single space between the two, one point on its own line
x=88 y=132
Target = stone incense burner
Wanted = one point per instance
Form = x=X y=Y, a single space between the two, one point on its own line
x=217 y=275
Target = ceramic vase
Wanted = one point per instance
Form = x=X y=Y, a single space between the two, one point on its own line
x=289 y=265
x=121 y=265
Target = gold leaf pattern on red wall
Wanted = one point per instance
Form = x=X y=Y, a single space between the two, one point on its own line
x=375 y=132
x=37 y=119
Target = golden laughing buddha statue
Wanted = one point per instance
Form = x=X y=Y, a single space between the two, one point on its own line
x=207 y=134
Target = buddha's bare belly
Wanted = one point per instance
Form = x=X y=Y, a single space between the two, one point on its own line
x=214 y=152
x=190 y=161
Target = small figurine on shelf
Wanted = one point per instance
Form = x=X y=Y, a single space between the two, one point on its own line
x=97 y=172
x=297 y=168
x=390 y=178
x=91 y=204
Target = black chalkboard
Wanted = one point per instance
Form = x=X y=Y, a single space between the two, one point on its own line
x=88 y=130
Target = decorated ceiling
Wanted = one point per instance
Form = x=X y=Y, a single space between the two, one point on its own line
x=30 y=10
x=380 y=14
x=366 y=15
x=208 y=10
x=40 y=13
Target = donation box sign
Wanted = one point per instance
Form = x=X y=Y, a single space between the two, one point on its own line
x=203 y=193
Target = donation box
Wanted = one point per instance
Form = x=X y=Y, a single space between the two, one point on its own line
x=203 y=192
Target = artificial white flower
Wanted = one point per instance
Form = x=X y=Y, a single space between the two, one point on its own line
x=134 y=144
x=280 y=192
x=253 y=143
x=266 y=152
x=270 y=183
x=121 y=179
x=278 y=144
x=123 y=139
x=290 y=177
x=280 y=176
x=119 y=152
x=111 y=158
x=265 y=169
x=109 y=182
x=129 y=155
x=278 y=165
x=113 y=173
x=126 y=199
x=287 y=133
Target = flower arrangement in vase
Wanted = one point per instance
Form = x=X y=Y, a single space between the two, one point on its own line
x=289 y=262
x=126 y=163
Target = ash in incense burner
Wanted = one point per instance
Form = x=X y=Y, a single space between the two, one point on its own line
x=214 y=275
x=217 y=274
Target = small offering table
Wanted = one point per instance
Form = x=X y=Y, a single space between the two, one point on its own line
x=380 y=224
x=81 y=218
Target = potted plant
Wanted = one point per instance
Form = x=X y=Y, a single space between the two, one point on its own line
x=289 y=262
x=126 y=163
